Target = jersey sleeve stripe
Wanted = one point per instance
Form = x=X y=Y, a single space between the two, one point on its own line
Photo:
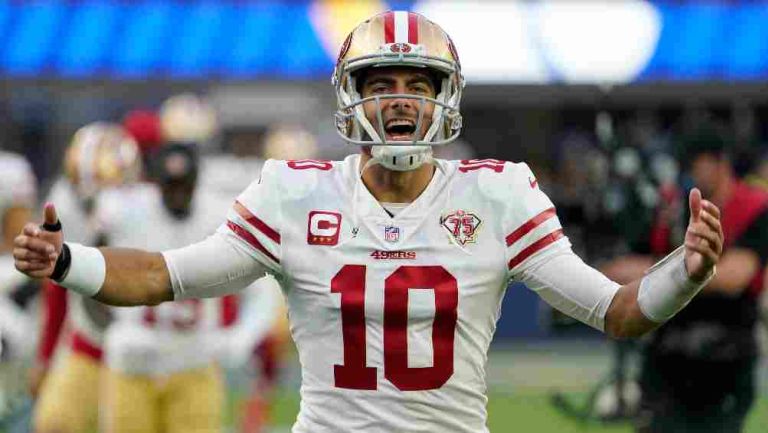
x=535 y=247
x=250 y=239
x=258 y=224
x=530 y=225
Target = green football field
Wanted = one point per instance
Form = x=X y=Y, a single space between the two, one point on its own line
x=523 y=412
x=521 y=379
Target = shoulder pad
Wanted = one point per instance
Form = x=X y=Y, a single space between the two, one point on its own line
x=498 y=180
x=298 y=178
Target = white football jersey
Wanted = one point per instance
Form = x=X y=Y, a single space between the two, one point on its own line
x=393 y=316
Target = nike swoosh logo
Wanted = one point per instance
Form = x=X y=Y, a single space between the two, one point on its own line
x=533 y=182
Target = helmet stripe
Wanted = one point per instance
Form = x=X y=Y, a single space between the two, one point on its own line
x=389 y=27
x=413 y=28
x=401 y=26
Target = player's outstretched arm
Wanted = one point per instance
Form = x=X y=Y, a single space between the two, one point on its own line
x=115 y=276
x=668 y=286
x=134 y=277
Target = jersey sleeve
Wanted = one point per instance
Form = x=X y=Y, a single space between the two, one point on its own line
x=213 y=267
x=253 y=220
x=571 y=286
x=532 y=230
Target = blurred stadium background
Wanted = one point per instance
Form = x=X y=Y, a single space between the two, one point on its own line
x=593 y=95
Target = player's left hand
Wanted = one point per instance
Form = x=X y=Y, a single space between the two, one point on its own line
x=703 y=237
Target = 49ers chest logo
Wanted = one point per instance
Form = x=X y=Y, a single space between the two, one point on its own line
x=462 y=226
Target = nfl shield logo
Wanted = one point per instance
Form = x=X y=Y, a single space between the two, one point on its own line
x=391 y=233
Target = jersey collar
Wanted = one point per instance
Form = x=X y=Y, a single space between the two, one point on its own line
x=371 y=214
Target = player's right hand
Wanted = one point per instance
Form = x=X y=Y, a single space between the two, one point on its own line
x=35 y=250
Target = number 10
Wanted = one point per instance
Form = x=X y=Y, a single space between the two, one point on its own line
x=354 y=374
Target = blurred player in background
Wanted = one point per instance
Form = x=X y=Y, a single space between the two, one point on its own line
x=758 y=177
x=100 y=155
x=698 y=370
x=191 y=118
x=394 y=264
x=162 y=372
x=18 y=197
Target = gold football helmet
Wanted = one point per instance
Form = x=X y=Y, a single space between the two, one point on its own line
x=188 y=118
x=397 y=38
x=101 y=154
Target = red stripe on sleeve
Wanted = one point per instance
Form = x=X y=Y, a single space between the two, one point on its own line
x=530 y=225
x=389 y=27
x=413 y=28
x=251 y=239
x=257 y=223
x=535 y=247
x=54 y=310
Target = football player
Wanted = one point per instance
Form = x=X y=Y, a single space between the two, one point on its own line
x=394 y=263
x=18 y=196
x=161 y=361
x=100 y=155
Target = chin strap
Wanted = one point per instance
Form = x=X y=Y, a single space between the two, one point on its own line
x=401 y=158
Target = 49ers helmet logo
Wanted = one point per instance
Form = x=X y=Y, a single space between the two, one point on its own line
x=400 y=47
x=462 y=226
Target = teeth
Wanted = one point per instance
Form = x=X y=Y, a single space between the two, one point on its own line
x=399 y=122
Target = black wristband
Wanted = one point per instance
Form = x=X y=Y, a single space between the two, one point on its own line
x=62 y=264
x=52 y=227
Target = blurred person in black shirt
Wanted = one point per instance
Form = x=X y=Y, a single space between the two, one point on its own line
x=698 y=370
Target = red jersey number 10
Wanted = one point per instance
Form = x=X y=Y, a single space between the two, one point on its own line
x=354 y=374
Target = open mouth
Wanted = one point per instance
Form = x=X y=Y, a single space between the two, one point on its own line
x=400 y=129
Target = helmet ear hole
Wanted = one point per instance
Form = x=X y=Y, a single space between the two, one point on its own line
x=437 y=78
x=359 y=77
